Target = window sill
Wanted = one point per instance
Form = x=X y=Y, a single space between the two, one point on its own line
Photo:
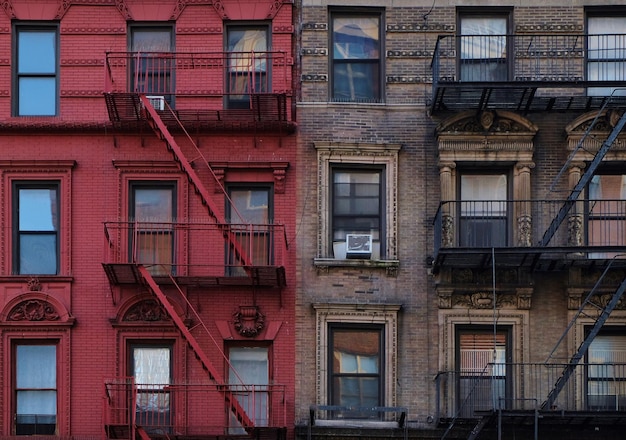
x=391 y=266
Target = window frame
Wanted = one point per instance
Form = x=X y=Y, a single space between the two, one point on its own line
x=262 y=83
x=594 y=213
x=505 y=238
x=605 y=380
x=18 y=185
x=486 y=13
x=15 y=390
x=158 y=62
x=172 y=186
x=378 y=170
x=21 y=29
x=333 y=375
x=592 y=13
x=377 y=64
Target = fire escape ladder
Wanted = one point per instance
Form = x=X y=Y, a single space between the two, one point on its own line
x=159 y=127
x=585 y=178
x=236 y=409
x=603 y=313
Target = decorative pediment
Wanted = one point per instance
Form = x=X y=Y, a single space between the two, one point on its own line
x=35 y=308
x=148 y=310
x=590 y=130
x=519 y=298
x=469 y=134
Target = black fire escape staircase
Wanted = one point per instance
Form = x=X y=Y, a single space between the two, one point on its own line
x=602 y=311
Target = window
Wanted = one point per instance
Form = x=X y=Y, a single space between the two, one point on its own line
x=606 y=371
x=248 y=64
x=152 y=213
x=483 y=47
x=483 y=220
x=251 y=217
x=152 y=67
x=35 y=389
x=248 y=375
x=606 y=51
x=606 y=212
x=357 y=205
x=356 y=367
x=356 y=56
x=151 y=366
x=36 y=228
x=37 y=70
x=481 y=360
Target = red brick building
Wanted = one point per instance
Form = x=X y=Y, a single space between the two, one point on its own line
x=147 y=186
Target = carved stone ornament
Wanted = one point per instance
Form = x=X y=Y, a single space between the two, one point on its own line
x=248 y=321
x=484 y=300
x=33 y=310
x=148 y=310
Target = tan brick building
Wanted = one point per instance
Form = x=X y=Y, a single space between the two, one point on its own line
x=461 y=206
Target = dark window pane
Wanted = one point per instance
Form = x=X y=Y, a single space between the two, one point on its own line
x=356 y=81
x=37 y=52
x=38 y=254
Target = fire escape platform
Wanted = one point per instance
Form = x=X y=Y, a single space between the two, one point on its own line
x=267 y=113
x=521 y=96
x=120 y=274
x=540 y=259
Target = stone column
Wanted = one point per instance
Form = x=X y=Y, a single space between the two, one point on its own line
x=447 y=209
x=575 y=232
x=522 y=210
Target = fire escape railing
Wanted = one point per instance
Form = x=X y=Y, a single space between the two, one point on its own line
x=200 y=74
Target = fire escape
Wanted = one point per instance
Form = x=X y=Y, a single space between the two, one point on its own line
x=543 y=77
x=253 y=254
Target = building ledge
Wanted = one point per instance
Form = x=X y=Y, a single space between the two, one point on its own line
x=323 y=264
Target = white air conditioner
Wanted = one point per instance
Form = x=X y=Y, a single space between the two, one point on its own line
x=358 y=245
x=157 y=101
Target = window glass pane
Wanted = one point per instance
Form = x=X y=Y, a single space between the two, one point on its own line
x=38 y=209
x=38 y=254
x=481 y=194
x=37 y=402
x=36 y=52
x=151 y=40
x=249 y=365
x=151 y=365
x=36 y=366
x=356 y=38
x=251 y=204
x=37 y=96
x=153 y=204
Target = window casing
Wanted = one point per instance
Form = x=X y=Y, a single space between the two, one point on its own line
x=151 y=366
x=152 y=216
x=483 y=220
x=356 y=366
x=249 y=63
x=152 y=71
x=36 y=228
x=356 y=64
x=606 y=213
x=37 y=69
x=483 y=46
x=481 y=364
x=606 y=51
x=35 y=388
x=358 y=203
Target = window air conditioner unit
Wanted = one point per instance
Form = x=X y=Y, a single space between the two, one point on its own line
x=157 y=101
x=358 y=245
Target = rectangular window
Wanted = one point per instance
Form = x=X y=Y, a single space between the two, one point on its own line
x=357 y=207
x=35 y=389
x=36 y=228
x=606 y=52
x=606 y=372
x=251 y=215
x=248 y=64
x=249 y=376
x=151 y=366
x=481 y=359
x=152 y=65
x=606 y=213
x=356 y=368
x=356 y=56
x=152 y=213
x=36 y=70
x=483 y=211
x=483 y=47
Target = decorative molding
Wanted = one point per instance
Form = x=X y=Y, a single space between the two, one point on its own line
x=279 y=29
x=33 y=310
x=429 y=27
x=81 y=93
x=83 y=63
x=550 y=27
x=148 y=310
x=248 y=321
x=586 y=141
x=319 y=51
x=199 y=30
x=314 y=77
x=409 y=54
x=405 y=79
x=92 y=30
x=278 y=170
x=7 y=5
